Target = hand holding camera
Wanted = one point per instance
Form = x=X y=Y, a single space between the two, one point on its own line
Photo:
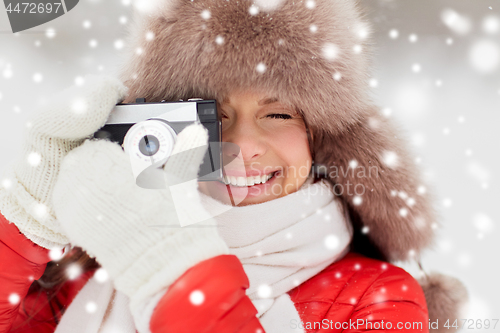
x=133 y=232
x=61 y=125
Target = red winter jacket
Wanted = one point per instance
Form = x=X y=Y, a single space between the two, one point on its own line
x=354 y=294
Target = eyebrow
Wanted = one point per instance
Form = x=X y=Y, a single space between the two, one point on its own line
x=266 y=101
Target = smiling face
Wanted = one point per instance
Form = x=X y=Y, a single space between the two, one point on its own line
x=272 y=141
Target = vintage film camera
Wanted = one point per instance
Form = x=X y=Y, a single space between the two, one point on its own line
x=147 y=132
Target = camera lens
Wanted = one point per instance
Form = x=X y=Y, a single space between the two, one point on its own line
x=149 y=145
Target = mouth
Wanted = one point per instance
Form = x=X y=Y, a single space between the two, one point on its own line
x=248 y=181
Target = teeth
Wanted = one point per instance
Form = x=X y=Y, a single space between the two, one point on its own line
x=246 y=181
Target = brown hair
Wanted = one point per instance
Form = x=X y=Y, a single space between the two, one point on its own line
x=51 y=283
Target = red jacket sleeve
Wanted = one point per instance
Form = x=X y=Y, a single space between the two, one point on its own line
x=22 y=262
x=209 y=297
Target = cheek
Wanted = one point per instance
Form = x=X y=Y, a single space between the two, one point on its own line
x=290 y=144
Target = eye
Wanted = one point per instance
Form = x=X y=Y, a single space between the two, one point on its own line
x=279 y=116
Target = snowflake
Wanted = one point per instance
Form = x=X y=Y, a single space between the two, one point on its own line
x=123 y=19
x=483 y=222
x=253 y=10
x=264 y=291
x=447 y=202
x=365 y=230
x=37 y=77
x=150 y=35
x=50 y=33
x=93 y=43
x=118 y=44
x=313 y=28
x=357 y=200
x=73 y=271
x=413 y=38
x=79 y=106
x=34 y=159
x=449 y=41
x=101 y=275
x=87 y=24
x=403 y=212
x=491 y=24
x=416 y=68
x=394 y=34
x=353 y=164
x=261 y=67
x=56 y=253
x=373 y=83
x=357 y=49
x=310 y=4
x=390 y=159
x=330 y=51
x=7 y=72
x=439 y=83
x=456 y=22
x=484 y=56
x=402 y=195
x=14 y=299
x=219 y=40
x=421 y=189
x=91 y=307
x=331 y=242
x=197 y=297
x=289 y=235
x=337 y=76
x=6 y=183
x=79 y=81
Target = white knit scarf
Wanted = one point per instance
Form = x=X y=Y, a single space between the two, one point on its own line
x=281 y=243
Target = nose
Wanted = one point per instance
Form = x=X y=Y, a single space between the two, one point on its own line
x=243 y=140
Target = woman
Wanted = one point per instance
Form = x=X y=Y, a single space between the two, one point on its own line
x=291 y=79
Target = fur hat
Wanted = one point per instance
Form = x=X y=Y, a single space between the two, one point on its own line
x=314 y=55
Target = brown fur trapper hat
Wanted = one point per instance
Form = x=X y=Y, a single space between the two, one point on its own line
x=313 y=54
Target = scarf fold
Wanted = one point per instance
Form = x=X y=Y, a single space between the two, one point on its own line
x=284 y=242
x=281 y=244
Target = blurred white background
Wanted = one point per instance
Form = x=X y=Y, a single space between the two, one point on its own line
x=437 y=72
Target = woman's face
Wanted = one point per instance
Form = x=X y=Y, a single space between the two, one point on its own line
x=272 y=141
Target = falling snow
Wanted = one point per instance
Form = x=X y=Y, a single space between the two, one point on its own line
x=332 y=242
x=264 y=291
x=197 y=297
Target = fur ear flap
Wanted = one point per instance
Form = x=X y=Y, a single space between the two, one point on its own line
x=446 y=300
x=371 y=169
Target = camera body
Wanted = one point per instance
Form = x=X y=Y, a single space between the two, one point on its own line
x=147 y=132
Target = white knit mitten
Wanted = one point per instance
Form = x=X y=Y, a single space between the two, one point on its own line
x=54 y=130
x=133 y=232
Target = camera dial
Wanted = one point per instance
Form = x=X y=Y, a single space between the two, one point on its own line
x=149 y=142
